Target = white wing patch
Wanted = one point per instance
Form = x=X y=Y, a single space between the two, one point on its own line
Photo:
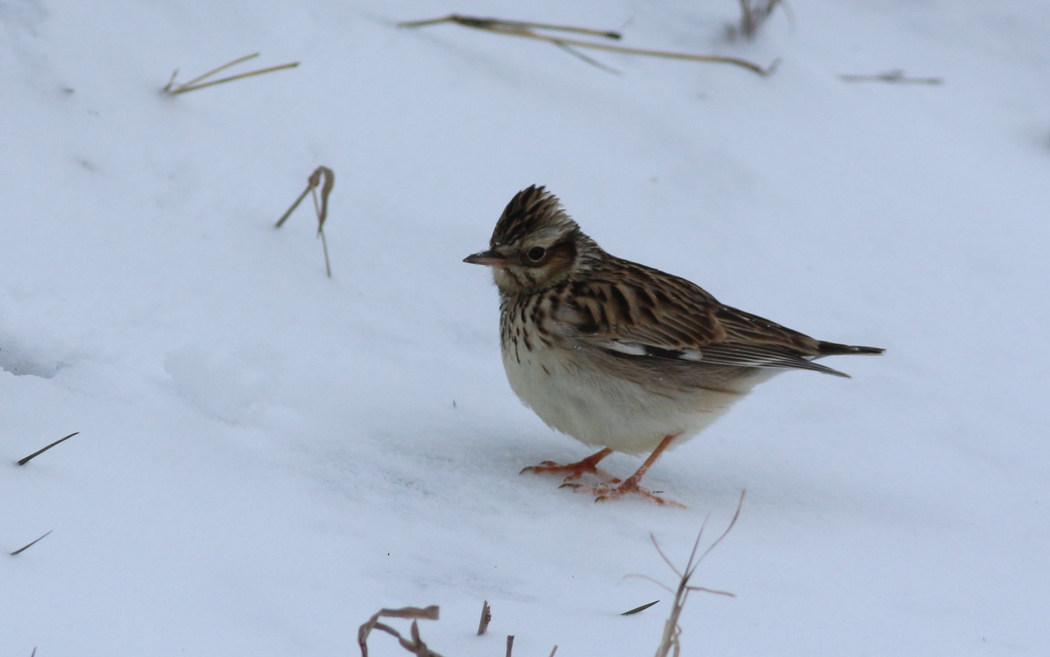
x=734 y=355
x=628 y=348
x=636 y=349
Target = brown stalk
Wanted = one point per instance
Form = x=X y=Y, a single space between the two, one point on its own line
x=497 y=24
x=416 y=646
x=26 y=547
x=590 y=60
x=320 y=207
x=42 y=450
x=516 y=28
x=669 y=641
x=753 y=13
x=193 y=86
x=486 y=617
x=639 y=608
x=895 y=76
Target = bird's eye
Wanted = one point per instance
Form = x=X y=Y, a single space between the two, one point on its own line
x=536 y=253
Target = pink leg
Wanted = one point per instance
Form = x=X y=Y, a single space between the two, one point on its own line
x=630 y=485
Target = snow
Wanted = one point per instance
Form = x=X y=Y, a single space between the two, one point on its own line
x=267 y=457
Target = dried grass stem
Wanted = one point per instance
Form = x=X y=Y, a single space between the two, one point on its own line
x=321 y=207
x=522 y=29
x=416 y=646
x=670 y=640
x=895 y=76
x=193 y=85
x=44 y=449
x=26 y=547
x=486 y=617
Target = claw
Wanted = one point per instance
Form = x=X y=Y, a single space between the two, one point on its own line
x=610 y=488
x=574 y=470
x=540 y=467
x=605 y=493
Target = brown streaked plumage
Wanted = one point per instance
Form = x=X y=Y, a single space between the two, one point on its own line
x=617 y=354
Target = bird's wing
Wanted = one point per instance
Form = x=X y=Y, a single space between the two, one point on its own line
x=638 y=312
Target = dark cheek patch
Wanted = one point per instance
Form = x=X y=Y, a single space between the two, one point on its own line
x=559 y=257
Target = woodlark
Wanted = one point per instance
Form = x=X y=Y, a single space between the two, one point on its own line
x=619 y=355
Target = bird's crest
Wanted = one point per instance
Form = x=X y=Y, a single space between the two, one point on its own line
x=534 y=212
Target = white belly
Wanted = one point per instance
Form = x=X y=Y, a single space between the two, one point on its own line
x=603 y=410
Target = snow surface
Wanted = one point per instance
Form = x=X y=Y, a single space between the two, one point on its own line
x=266 y=456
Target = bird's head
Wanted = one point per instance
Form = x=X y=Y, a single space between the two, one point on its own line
x=535 y=245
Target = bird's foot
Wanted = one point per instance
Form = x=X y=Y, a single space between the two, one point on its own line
x=574 y=471
x=608 y=492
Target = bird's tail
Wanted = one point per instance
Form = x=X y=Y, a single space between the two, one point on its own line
x=835 y=349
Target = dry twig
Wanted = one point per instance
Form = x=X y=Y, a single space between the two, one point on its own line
x=41 y=451
x=669 y=641
x=198 y=82
x=416 y=645
x=321 y=208
x=753 y=13
x=518 y=28
x=26 y=547
x=486 y=618
x=499 y=24
x=639 y=608
x=895 y=76
x=510 y=644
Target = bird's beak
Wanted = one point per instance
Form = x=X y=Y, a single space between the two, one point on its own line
x=488 y=258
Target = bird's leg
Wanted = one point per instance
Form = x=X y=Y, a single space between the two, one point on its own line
x=605 y=492
x=574 y=470
x=630 y=485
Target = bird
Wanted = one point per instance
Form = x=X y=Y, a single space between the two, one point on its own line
x=619 y=355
